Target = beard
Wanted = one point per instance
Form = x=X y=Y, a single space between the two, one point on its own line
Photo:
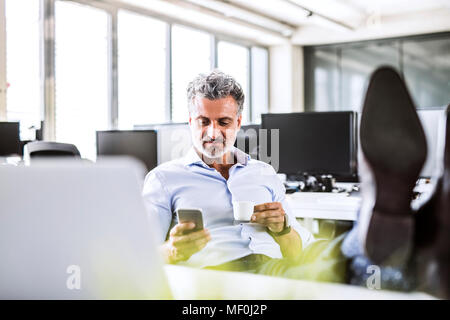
x=213 y=150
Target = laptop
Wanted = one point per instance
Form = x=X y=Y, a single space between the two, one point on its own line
x=76 y=230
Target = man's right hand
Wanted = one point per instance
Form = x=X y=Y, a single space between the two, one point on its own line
x=182 y=244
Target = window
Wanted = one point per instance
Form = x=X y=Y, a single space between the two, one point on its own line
x=155 y=63
x=81 y=75
x=23 y=65
x=322 y=90
x=190 y=56
x=357 y=64
x=142 y=70
x=426 y=65
x=233 y=59
x=260 y=83
x=336 y=76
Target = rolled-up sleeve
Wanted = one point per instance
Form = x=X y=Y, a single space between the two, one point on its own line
x=305 y=235
x=157 y=202
x=280 y=196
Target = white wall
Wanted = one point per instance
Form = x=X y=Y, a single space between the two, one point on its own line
x=2 y=62
x=286 y=79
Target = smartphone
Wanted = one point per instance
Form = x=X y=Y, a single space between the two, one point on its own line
x=191 y=215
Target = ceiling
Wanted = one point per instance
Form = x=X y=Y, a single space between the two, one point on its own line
x=304 y=22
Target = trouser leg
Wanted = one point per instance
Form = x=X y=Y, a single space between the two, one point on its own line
x=320 y=261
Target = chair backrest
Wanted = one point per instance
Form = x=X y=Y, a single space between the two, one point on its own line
x=49 y=149
x=9 y=138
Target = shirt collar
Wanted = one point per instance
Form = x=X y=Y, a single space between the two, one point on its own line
x=192 y=157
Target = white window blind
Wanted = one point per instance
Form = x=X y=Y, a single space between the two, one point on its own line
x=233 y=59
x=23 y=102
x=142 y=70
x=81 y=75
x=190 y=56
x=260 y=83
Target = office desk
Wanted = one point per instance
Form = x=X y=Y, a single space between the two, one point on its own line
x=312 y=206
x=321 y=205
x=338 y=206
x=198 y=284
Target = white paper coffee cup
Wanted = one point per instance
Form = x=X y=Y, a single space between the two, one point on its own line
x=243 y=210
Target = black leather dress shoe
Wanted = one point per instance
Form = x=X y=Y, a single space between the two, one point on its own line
x=432 y=231
x=394 y=148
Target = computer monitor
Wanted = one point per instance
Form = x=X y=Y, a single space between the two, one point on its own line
x=315 y=143
x=140 y=144
x=9 y=139
x=247 y=139
x=174 y=139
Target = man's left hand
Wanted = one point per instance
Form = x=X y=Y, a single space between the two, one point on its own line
x=269 y=214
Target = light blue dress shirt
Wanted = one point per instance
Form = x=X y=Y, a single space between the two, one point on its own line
x=188 y=182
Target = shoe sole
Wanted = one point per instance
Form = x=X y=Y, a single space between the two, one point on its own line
x=394 y=145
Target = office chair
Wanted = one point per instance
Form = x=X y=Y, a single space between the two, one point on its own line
x=42 y=149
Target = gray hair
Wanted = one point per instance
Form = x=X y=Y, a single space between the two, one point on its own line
x=213 y=86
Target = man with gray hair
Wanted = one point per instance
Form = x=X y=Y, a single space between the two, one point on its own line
x=212 y=176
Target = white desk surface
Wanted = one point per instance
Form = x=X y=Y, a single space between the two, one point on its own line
x=334 y=206
x=325 y=214
x=199 y=284
x=319 y=205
